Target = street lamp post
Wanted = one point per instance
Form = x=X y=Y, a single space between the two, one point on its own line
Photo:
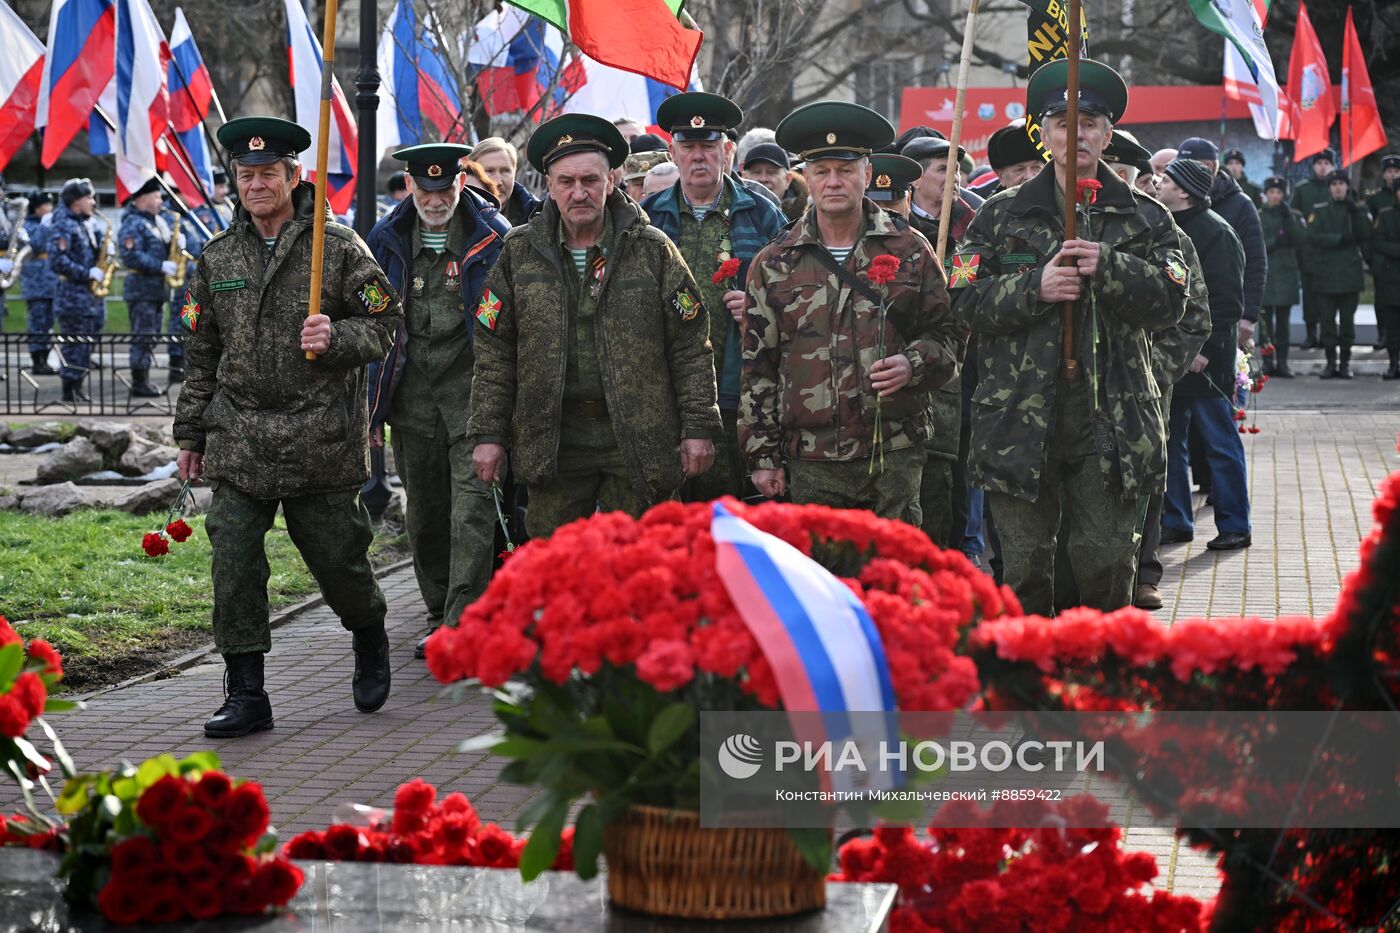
x=375 y=493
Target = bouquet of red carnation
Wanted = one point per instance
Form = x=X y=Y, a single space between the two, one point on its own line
x=616 y=633
x=980 y=877
x=424 y=831
x=170 y=840
x=174 y=528
x=27 y=680
x=19 y=830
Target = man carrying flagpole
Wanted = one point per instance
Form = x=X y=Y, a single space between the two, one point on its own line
x=270 y=427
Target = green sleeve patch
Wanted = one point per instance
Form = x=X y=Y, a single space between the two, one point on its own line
x=488 y=310
x=375 y=296
x=189 y=312
x=686 y=303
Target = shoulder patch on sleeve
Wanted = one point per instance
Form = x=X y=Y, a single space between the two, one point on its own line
x=963 y=271
x=686 y=302
x=488 y=310
x=375 y=296
x=1176 y=271
x=189 y=312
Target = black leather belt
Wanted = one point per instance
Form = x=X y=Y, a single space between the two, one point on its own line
x=587 y=409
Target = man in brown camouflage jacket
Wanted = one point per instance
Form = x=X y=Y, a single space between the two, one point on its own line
x=1093 y=445
x=269 y=427
x=834 y=389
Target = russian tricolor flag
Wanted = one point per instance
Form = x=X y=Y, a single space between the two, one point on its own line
x=820 y=641
x=417 y=84
x=21 y=71
x=79 y=63
x=306 y=67
x=142 y=102
x=191 y=93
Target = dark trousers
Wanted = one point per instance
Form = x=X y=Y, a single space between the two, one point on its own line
x=1388 y=319
x=331 y=530
x=40 y=322
x=1225 y=454
x=1332 y=307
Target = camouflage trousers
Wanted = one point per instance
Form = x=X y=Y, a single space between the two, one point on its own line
x=331 y=530
x=592 y=477
x=1102 y=537
x=851 y=484
x=726 y=477
x=936 y=500
x=450 y=519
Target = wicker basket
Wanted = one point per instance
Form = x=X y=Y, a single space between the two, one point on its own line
x=661 y=862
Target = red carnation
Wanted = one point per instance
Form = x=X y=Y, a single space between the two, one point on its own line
x=203 y=901
x=667 y=665
x=8 y=636
x=159 y=801
x=155 y=544
x=246 y=811
x=121 y=903
x=14 y=718
x=883 y=269
x=132 y=856
x=1254 y=429
x=43 y=652
x=1088 y=190
x=29 y=692
x=411 y=803
x=342 y=843
x=727 y=270
x=179 y=530
x=213 y=789
x=189 y=824
x=1240 y=414
x=494 y=848
x=277 y=881
x=307 y=845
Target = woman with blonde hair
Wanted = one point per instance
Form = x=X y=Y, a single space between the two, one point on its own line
x=498 y=158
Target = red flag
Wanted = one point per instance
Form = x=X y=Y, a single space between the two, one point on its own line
x=1309 y=91
x=1362 y=132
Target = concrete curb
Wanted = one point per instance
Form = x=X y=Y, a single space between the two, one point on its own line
x=191 y=659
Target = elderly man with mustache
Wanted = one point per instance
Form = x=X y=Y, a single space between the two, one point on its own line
x=594 y=368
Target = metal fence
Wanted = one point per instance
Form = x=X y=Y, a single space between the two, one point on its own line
x=108 y=375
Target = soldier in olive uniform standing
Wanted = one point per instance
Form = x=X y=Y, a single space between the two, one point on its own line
x=1308 y=197
x=1233 y=161
x=268 y=426
x=1284 y=238
x=713 y=218
x=593 y=357
x=820 y=397
x=436 y=247
x=1339 y=234
x=1385 y=266
x=1384 y=196
x=1043 y=440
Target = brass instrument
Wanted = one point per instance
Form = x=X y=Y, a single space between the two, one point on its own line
x=16 y=253
x=107 y=260
x=180 y=257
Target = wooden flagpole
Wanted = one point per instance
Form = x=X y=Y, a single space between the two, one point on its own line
x=955 y=138
x=1069 y=366
x=318 y=236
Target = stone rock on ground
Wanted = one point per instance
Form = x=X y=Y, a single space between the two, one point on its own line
x=154 y=433
x=144 y=455
x=152 y=497
x=75 y=459
x=111 y=437
x=9 y=503
x=33 y=435
x=53 y=501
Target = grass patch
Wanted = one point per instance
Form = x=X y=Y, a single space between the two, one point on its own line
x=83 y=583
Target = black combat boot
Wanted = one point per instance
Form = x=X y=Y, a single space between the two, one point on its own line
x=1311 y=343
x=1330 y=370
x=41 y=366
x=73 y=391
x=1281 y=361
x=1344 y=370
x=371 y=684
x=1394 y=371
x=141 y=384
x=246 y=707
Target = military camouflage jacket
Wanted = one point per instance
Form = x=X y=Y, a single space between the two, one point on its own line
x=810 y=340
x=269 y=421
x=1174 y=349
x=652 y=339
x=1141 y=286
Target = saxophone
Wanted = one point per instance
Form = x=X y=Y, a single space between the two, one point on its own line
x=180 y=257
x=109 y=264
x=16 y=253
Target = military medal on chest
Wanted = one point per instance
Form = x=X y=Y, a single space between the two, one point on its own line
x=417 y=284
x=454 y=271
x=600 y=265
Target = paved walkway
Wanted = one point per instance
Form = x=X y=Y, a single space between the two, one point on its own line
x=1312 y=475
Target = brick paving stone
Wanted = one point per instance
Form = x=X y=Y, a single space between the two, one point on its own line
x=1312 y=478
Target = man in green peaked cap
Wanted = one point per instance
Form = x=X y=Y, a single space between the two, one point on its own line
x=713 y=218
x=436 y=247
x=891 y=177
x=593 y=359
x=269 y=427
x=1043 y=442
x=838 y=367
